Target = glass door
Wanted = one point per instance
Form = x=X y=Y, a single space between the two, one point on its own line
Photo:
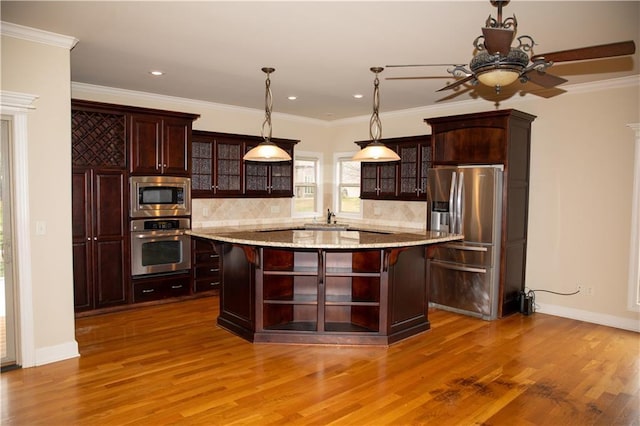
x=7 y=311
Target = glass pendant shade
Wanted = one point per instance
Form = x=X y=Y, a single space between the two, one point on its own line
x=267 y=150
x=376 y=151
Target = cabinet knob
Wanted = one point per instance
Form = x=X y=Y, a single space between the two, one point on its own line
x=95 y=238
x=88 y=238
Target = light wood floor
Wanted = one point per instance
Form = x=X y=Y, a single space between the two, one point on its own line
x=170 y=364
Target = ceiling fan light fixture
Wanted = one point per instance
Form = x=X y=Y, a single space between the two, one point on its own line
x=498 y=77
x=376 y=151
x=266 y=150
x=499 y=71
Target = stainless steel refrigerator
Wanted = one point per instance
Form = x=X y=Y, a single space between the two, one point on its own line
x=464 y=275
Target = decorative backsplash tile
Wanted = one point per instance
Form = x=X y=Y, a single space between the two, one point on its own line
x=264 y=211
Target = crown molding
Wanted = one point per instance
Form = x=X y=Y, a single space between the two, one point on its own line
x=17 y=100
x=10 y=29
x=189 y=103
x=430 y=110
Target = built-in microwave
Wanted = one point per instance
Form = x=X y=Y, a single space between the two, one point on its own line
x=159 y=196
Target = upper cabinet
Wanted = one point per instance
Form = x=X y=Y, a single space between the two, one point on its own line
x=495 y=137
x=160 y=145
x=266 y=179
x=218 y=168
x=398 y=180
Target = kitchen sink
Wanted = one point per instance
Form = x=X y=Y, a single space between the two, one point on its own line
x=326 y=226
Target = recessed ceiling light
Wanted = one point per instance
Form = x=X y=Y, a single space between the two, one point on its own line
x=156 y=73
x=358 y=96
x=292 y=98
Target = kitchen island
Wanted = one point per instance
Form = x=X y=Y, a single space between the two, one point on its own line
x=323 y=284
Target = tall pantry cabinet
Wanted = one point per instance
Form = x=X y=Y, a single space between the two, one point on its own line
x=495 y=137
x=99 y=207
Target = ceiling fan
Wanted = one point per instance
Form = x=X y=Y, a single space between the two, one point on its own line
x=497 y=63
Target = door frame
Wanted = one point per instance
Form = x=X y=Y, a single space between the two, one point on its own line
x=17 y=106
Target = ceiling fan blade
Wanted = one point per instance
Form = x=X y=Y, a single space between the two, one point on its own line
x=457 y=83
x=544 y=79
x=497 y=40
x=592 y=52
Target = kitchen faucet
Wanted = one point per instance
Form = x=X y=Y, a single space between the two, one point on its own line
x=329 y=215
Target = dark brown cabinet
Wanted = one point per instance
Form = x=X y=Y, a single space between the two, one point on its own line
x=99 y=208
x=160 y=145
x=399 y=180
x=496 y=137
x=108 y=142
x=205 y=265
x=161 y=287
x=218 y=168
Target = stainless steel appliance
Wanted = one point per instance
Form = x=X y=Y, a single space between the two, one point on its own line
x=160 y=246
x=160 y=196
x=464 y=276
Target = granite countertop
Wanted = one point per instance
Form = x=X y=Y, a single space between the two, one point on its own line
x=340 y=236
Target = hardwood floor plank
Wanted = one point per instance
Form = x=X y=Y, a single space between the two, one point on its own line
x=170 y=364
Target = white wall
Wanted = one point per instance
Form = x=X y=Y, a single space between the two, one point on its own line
x=44 y=70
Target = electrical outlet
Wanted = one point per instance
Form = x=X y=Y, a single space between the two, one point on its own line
x=589 y=291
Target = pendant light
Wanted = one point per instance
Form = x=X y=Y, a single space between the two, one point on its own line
x=267 y=150
x=376 y=151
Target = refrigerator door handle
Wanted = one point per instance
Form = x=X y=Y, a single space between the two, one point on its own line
x=458 y=268
x=467 y=248
x=452 y=195
x=459 y=205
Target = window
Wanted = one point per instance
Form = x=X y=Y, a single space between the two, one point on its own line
x=348 y=186
x=306 y=175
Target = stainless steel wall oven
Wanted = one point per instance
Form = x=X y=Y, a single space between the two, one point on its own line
x=160 y=246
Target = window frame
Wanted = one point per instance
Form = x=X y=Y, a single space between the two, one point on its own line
x=338 y=157
x=317 y=157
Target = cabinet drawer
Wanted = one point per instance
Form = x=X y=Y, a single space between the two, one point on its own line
x=207 y=284
x=206 y=271
x=160 y=289
x=208 y=258
x=202 y=244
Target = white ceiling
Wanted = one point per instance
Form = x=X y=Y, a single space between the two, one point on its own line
x=322 y=51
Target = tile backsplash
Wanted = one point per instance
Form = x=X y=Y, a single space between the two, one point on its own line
x=246 y=211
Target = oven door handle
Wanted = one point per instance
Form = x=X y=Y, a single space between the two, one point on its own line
x=155 y=234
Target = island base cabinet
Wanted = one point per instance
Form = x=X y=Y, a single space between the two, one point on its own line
x=237 y=293
x=363 y=297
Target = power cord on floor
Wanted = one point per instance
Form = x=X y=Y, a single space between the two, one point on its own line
x=528 y=299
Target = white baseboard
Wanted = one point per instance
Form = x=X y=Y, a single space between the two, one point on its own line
x=592 y=317
x=56 y=353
